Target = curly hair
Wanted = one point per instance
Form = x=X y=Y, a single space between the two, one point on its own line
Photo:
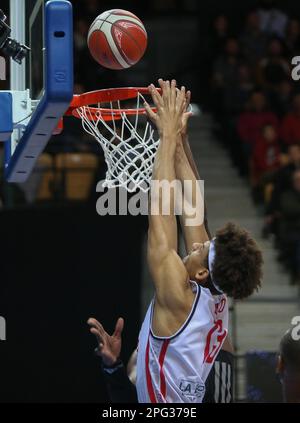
x=237 y=267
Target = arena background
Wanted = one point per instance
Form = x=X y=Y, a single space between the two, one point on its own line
x=62 y=263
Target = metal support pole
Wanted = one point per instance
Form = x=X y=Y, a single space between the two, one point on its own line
x=17 y=23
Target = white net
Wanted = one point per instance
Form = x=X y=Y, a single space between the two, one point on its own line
x=128 y=141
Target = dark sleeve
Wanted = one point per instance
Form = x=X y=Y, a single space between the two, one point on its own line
x=119 y=387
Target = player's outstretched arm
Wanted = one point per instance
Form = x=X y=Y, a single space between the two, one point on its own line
x=167 y=270
x=190 y=157
x=193 y=217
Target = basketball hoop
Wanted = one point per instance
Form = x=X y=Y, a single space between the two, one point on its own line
x=125 y=135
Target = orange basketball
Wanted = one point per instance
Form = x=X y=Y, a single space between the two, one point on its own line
x=117 y=39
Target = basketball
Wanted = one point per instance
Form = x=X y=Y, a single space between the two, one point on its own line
x=117 y=39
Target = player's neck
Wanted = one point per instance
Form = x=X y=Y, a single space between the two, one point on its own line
x=209 y=285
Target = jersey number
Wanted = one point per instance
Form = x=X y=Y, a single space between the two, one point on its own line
x=212 y=348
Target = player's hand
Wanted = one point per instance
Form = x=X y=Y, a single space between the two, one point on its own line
x=109 y=346
x=170 y=106
x=186 y=114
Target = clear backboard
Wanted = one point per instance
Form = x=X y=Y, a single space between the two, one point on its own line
x=41 y=88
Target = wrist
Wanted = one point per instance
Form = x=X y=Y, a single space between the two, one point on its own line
x=112 y=369
x=169 y=133
x=107 y=361
x=180 y=150
x=184 y=137
x=111 y=364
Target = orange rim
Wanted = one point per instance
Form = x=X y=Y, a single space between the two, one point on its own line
x=107 y=96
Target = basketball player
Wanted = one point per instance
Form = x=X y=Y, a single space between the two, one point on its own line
x=288 y=367
x=219 y=384
x=188 y=317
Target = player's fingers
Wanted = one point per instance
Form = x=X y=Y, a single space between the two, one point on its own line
x=119 y=327
x=152 y=93
x=156 y=97
x=186 y=117
x=164 y=94
x=173 y=93
x=150 y=113
x=94 y=322
x=98 y=326
x=188 y=99
x=163 y=86
x=95 y=332
x=181 y=100
x=101 y=329
x=161 y=83
x=167 y=92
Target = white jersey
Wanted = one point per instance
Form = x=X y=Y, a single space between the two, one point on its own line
x=174 y=369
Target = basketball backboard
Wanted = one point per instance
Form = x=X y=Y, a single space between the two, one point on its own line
x=41 y=88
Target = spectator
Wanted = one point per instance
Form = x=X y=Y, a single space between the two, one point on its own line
x=265 y=160
x=272 y=20
x=226 y=65
x=225 y=74
x=292 y=38
x=274 y=68
x=289 y=208
x=281 y=183
x=219 y=35
x=213 y=47
x=290 y=127
x=235 y=99
x=251 y=122
x=283 y=98
x=253 y=40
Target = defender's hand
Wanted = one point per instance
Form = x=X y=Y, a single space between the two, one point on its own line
x=109 y=346
x=186 y=115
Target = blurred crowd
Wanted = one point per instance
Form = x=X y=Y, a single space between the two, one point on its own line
x=256 y=104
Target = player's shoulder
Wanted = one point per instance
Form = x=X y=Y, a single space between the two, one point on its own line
x=206 y=292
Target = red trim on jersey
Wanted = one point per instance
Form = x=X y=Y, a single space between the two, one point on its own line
x=148 y=376
x=162 y=356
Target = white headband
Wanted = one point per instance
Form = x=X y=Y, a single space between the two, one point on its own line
x=211 y=258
